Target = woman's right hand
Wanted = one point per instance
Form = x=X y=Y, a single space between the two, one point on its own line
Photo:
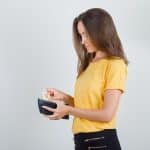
x=52 y=93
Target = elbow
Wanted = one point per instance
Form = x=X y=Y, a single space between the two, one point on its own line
x=108 y=117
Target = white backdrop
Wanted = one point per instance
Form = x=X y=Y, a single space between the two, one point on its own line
x=36 y=51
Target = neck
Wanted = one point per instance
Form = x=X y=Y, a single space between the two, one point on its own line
x=99 y=55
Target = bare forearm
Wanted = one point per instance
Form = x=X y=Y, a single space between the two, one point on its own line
x=94 y=115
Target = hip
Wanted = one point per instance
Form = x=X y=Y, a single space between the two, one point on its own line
x=102 y=140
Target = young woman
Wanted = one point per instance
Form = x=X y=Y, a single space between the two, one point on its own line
x=102 y=72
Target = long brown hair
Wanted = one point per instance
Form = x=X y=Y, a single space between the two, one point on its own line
x=102 y=32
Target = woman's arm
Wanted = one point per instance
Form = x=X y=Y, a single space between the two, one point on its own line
x=55 y=94
x=111 y=101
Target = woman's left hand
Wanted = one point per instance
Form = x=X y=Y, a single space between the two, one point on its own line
x=59 y=112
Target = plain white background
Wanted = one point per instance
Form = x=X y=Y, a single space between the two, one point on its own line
x=36 y=52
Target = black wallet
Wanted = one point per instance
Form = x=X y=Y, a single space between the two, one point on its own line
x=42 y=102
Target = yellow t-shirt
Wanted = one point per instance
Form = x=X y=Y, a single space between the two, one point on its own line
x=107 y=73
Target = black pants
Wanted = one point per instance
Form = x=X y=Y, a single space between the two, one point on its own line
x=102 y=140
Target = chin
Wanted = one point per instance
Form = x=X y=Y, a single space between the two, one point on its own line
x=91 y=51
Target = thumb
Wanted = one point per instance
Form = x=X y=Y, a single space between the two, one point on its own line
x=51 y=92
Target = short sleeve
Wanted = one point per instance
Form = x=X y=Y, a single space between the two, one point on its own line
x=116 y=75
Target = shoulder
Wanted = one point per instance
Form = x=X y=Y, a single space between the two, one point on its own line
x=116 y=65
x=116 y=62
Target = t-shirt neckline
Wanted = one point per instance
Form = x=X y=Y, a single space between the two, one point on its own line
x=99 y=60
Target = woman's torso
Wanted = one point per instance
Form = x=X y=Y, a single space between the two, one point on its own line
x=89 y=93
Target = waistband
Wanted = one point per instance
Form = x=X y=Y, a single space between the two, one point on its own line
x=104 y=132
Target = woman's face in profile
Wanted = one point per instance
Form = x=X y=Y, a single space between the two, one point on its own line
x=85 y=39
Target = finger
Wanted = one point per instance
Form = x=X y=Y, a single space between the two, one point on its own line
x=54 y=117
x=49 y=109
x=51 y=94
x=48 y=116
x=48 y=96
x=51 y=90
x=52 y=100
x=55 y=98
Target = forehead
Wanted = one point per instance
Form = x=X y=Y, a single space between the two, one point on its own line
x=80 y=27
